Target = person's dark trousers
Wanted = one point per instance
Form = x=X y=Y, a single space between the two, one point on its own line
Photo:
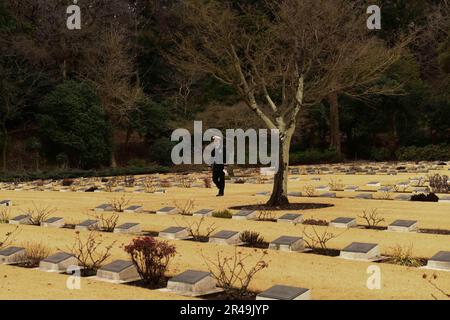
x=219 y=180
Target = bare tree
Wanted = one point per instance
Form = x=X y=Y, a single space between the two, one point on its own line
x=282 y=59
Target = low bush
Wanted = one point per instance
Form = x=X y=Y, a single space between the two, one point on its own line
x=225 y=214
x=151 y=258
x=439 y=183
x=252 y=238
x=314 y=156
x=430 y=152
x=34 y=253
x=91 y=252
x=431 y=197
x=315 y=222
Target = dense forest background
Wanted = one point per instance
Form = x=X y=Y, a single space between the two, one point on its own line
x=107 y=95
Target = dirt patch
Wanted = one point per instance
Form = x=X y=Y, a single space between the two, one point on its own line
x=291 y=206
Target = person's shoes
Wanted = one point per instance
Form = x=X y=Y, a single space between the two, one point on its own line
x=220 y=194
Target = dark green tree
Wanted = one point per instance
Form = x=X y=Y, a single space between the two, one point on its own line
x=72 y=122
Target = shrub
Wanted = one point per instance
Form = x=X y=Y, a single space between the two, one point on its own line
x=314 y=156
x=185 y=207
x=380 y=154
x=234 y=273
x=34 y=253
x=67 y=182
x=39 y=214
x=427 y=153
x=372 y=217
x=8 y=238
x=318 y=239
x=403 y=256
x=119 y=203
x=439 y=183
x=225 y=214
x=91 y=252
x=108 y=222
x=151 y=258
x=315 y=222
x=252 y=238
x=4 y=214
x=207 y=182
x=431 y=197
x=265 y=215
x=198 y=231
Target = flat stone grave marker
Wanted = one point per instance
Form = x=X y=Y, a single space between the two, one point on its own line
x=167 y=211
x=323 y=188
x=403 y=184
x=203 y=213
x=295 y=194
x=444 y=199
x=88 y=225
x=295 y=171
x=440 y=261
x=262 y=193
x=374 y=184
x=226 y=237
x=58 y=262
x=160 y=191
x=119 y=190
x=118 y=271
x=21 y=219
x=6 y=203
x=193 y=283
x=133 y=209
x=418 y=190
x=315 y=179
x=104 y=207
x=53 y=222
x=12 y=255
x=403 y=197
x=288 y=243
x=344 y=222
x=351 y=188
x=365 y=196
x=281 y=292
x=129 y=227
x=270 y=171
x=328 y=195
x=245 y=215
x=403 y=226
x=291 y=218
x=361 y=251
x=175 y=233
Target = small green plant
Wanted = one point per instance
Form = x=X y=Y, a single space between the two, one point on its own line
x=224 y=214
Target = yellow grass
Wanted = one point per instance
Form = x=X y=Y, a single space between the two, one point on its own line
x=327 y=277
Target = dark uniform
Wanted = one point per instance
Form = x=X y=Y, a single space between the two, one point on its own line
x=218 y=173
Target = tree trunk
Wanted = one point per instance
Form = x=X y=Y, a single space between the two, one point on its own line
x=279 y=192
x=335 y=133
x=4 y=146
x=113 y=160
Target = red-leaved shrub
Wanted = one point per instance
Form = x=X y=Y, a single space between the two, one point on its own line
x=151 y=258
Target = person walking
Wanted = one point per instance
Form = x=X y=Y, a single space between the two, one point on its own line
x=218 y=174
